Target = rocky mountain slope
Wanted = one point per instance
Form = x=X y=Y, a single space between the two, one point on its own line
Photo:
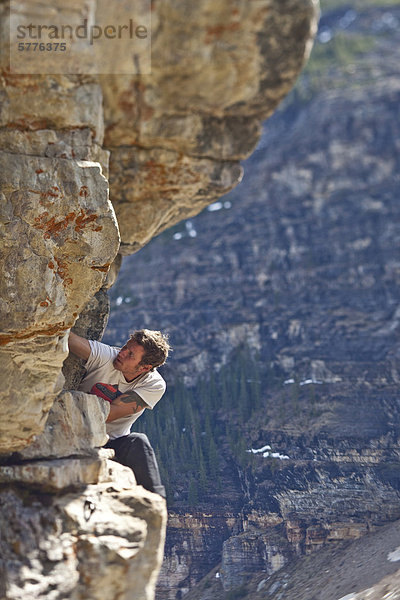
x=366 y=568
x=299 y=264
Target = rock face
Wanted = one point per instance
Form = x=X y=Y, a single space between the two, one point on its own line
x=88 y=528
x=61 y=208
x=102 y=539
x=217 y=71
x=194 y=547
x=176 y=137
x=366 y=568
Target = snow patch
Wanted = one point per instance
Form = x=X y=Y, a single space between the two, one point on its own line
x=395 y=555
x=308 y=381
x=254 y=451
x=325 y=36
x=304 y=382
x=215 y=206
x=190 y=229
x=265 y=451
x=348 y=18
x=219 y=206
x=262 y=584
x=386 y=22
x=274 y=587
x=275 y=455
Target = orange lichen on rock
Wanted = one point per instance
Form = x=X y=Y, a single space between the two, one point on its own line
x=218 y=30
x=19 y=81
x=28 y=124
x=84 y=191
x=103 y=268
x=83 y=220
x=168 y=178
x=53 y=226
x=56 y=328
x=46 y=302
x=62 y=269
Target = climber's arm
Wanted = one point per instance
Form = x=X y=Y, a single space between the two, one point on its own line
x=79 y=346
x=126 y=404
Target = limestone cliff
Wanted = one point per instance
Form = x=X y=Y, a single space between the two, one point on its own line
x=175 y=138
x=366 y=568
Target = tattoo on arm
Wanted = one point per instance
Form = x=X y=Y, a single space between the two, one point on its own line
x=137 y=403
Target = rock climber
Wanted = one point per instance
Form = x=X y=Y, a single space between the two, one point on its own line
x=129 y=380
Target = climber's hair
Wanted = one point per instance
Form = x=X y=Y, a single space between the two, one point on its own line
x=155 y=344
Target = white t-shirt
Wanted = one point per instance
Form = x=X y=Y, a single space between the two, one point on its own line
x=100 y=369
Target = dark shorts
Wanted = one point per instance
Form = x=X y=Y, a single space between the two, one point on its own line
x=135 y=451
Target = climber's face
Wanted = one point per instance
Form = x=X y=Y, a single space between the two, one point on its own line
x=129 y=359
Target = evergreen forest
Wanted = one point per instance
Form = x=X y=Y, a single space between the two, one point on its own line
x=195 y=429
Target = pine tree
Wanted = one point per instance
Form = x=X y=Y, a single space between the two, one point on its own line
x=193 y=496
x=213 y=462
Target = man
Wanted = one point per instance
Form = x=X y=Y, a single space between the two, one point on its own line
x=128 y=379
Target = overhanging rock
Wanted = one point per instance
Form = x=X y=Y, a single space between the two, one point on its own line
x=176 y=136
